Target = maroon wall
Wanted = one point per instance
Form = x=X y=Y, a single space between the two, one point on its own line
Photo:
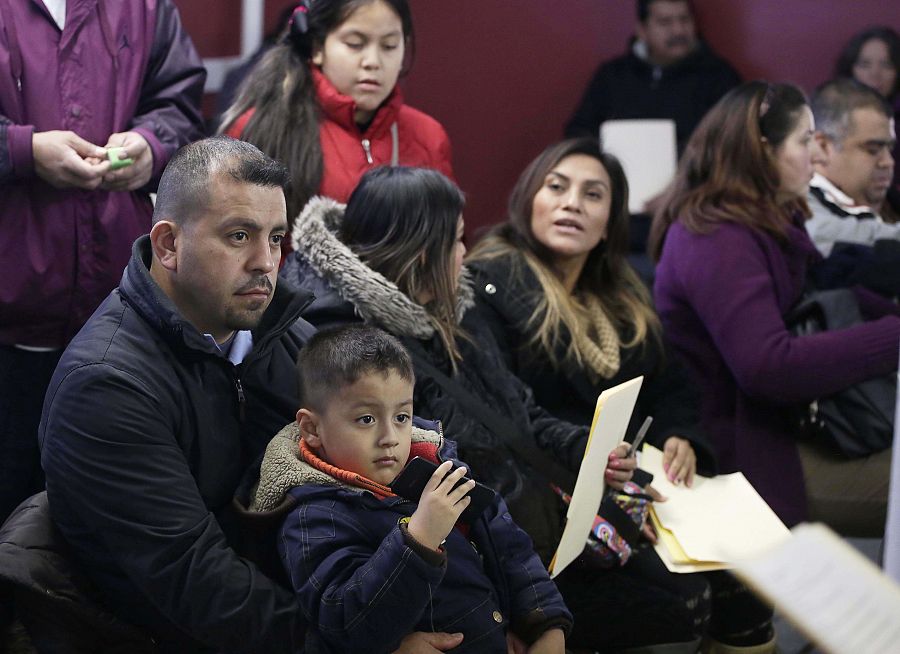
x=504 y=75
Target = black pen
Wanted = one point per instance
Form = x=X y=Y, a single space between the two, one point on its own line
x=640 y=437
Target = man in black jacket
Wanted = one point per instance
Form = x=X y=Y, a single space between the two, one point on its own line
x=667 y=73
x=161 y=407
x=163 y=400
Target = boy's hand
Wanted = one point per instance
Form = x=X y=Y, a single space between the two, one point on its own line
x=440 y=506
x=552 y=641
x=514 y=644
x=618 y=468
x=421 y=642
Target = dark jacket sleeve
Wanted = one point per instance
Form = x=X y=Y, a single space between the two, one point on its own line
x=593 y=108
x=115 y=470
x=16 y=157
x=168 y=112
x=6 y=167
x=360 y=599
x=536 y=603
x=565 y=441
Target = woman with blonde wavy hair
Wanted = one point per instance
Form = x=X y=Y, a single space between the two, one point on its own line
x=568 y=311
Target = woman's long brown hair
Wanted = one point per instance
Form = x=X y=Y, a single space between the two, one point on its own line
x=728 y=171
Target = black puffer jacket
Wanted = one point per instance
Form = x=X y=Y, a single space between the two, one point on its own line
x=146 y=434
x=506 y=294
x=347 y=290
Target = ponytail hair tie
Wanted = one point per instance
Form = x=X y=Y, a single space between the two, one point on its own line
x=299 y=29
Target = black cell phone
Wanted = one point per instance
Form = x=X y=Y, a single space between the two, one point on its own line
x=412 y=479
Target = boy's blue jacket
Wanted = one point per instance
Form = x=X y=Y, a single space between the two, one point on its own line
x=364 y=583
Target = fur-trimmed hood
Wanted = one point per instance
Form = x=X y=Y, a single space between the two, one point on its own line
x=375 y=298
x=282 y=468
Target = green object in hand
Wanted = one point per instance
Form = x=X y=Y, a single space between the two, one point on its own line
x=114 y=161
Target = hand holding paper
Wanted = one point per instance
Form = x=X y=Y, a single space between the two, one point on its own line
x=614 y=407
x=720 y=521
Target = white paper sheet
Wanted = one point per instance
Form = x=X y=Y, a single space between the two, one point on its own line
x=832 y=593
x=648 y=154
x=719 y=519
x=611 y=416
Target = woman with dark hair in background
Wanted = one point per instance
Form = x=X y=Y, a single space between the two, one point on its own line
x=325 y=99
x=733 y=256
x=873 y=58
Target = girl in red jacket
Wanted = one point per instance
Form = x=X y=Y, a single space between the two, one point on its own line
x=325 y=99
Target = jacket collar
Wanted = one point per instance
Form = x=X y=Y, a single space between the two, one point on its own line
x=637 y=50
x=375 y=298
x=140 y=290
x=283 y=467
x=836 y=199
x=340 y=108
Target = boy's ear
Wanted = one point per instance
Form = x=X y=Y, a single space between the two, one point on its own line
x=309 y=427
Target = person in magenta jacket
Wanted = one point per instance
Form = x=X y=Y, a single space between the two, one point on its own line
x=73 y=82
x=733 y=256
x=325 y=100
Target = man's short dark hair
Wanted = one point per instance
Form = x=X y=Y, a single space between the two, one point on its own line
x=184 y=186
x=833 y=103
x=335 y=358
x=643 y=8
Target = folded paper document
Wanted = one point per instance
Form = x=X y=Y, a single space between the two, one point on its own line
x=833 y=594
x=611 y=417
x=712 y=525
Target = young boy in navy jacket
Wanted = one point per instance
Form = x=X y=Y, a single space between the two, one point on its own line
x=369 y=567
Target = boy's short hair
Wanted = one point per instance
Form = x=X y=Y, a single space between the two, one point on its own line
x=337 y=357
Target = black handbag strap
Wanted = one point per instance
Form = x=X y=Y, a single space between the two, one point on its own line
x=505 y=429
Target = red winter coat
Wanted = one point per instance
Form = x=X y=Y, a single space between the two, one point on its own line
x=347 y=152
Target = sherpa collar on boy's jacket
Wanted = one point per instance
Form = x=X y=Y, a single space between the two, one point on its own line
x=283 y=467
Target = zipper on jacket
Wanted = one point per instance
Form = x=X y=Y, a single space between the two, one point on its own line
x=367 y=148
x=242 y=399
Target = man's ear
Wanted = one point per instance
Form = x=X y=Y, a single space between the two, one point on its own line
x=826 y=147
x=309 y=427
x=163 y=242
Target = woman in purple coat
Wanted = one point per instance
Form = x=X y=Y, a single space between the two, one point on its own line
x=733 y=256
